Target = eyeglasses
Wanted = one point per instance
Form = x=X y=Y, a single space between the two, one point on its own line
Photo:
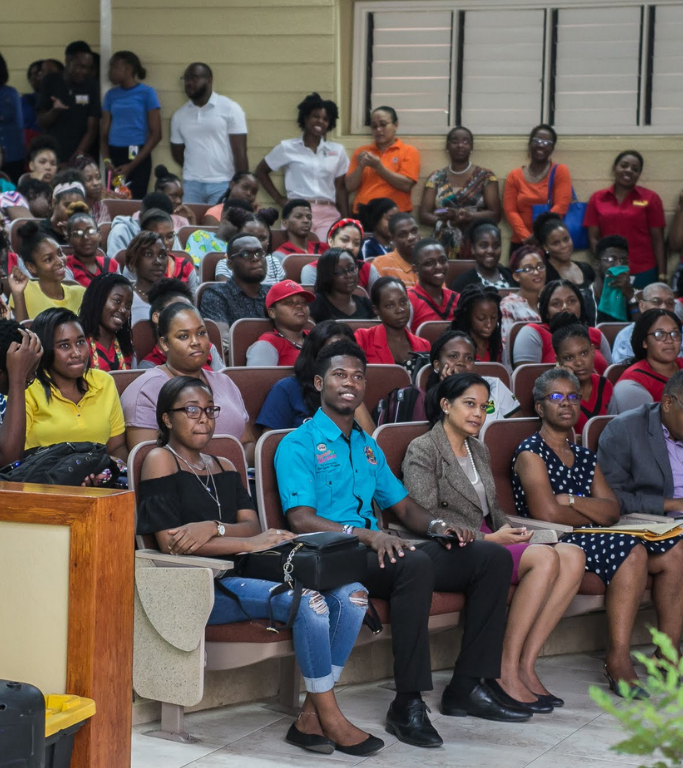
x=660 y=335
x=90 y=232
x=344 y=272
x=614 y=260
x=657 y=302
x=542 y=142
x=557 y=397
x=540 y=268
x=195 y=411
x=249 y=255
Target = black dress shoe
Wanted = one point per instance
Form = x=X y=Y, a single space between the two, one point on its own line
x=536 y=707
x=368 y=747
x=411 y=725
x=311 y=741
x=549 y=698
x=482 y=702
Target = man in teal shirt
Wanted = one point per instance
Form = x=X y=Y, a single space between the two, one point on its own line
x=329 y=471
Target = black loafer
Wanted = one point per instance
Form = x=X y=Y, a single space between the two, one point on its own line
x=483 y=703
x=311 y=741
x=536 y=707
x=549 y=698
x=368 y=747
x=411 y=725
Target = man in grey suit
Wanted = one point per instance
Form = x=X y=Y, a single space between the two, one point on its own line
x=641 y=454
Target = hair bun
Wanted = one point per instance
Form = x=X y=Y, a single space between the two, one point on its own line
x=268 y=215
x=160 y=172
x=238 y=216
x=28 y=230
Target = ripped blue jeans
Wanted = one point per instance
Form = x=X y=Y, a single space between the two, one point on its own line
x=324 y=631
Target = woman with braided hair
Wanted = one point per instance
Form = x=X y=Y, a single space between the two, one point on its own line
x=478 y=315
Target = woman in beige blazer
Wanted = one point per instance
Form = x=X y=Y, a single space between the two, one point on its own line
x=448 y=472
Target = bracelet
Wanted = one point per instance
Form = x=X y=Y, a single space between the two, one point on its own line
x=348 y=530
x=434 y=522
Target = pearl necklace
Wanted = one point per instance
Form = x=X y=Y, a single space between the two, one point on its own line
x=210 y=478
x=460 y=173
x=474 y=468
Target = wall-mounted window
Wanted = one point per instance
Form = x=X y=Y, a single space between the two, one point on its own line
x=614 y=67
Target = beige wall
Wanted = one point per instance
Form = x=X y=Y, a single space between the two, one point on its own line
x=34 y=570
x=267 y=55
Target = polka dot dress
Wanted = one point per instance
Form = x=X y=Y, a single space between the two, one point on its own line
x=605 y=552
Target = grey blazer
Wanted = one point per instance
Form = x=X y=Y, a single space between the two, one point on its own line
x=633 y=456
x=435 y=479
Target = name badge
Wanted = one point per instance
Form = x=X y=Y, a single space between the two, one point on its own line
x=641 y=203
x=82 y=98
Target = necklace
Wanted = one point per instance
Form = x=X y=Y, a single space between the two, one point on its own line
x=209 y=479
x=474 y=468
x=140 y=291
x=536 y=177
x=460 y=173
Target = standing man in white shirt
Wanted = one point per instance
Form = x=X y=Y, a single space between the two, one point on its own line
x=314 y=167
x=208 y=138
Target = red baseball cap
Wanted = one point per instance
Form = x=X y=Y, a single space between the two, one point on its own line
x=284 y=289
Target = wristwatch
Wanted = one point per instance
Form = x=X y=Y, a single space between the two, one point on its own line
x=434 y=522
x=220 y=529
x=571 y=499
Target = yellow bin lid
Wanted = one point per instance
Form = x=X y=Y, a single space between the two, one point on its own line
x=62 y=712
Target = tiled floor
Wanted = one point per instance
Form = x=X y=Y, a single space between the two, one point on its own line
x=251 y=736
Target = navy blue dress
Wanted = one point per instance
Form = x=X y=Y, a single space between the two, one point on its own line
x=605 y=552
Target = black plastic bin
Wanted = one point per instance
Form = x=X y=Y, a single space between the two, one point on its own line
x=22 y=726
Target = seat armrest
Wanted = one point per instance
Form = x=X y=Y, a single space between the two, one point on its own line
x=218 y=566
x=538 y=525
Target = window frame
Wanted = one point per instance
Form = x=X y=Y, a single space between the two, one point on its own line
x=362 y=46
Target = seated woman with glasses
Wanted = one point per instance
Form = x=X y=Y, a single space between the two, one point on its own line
x=656 y=343
x=430 y=299
x=613 y=289
x=83 y=236
x=335 y=282
x=178 y=266
x=528 y=271
x=574 y=351
x=180 y=473
x=46 y=264
x=558 y=481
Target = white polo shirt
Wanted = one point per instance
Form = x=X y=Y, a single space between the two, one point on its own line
x=205 y=132
x=309 y=174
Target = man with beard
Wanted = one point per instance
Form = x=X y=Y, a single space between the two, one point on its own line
x=242 y=295
x=208 y=138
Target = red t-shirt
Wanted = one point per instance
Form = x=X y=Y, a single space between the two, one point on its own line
x=633 y=218
x=597 y=405
x=83 y=275
x=287 y=350
x=642 y=373
x=549 y=353
x=425 y=309
x=179 y=267
x=373 y=341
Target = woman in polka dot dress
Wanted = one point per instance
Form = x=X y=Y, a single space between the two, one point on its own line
x=556 y=480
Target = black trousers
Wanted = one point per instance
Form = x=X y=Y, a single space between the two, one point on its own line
x=481 y=570
x=138 y=181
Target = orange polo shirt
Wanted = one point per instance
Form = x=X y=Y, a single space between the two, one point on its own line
x=399 y=158
x=393 y=265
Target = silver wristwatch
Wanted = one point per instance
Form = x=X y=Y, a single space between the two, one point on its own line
x=433 y=523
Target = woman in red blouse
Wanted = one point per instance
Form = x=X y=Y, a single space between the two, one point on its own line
x=105 y=317
x=478 y=315
x=633 y=212
x=575 y=352
x=390 y=342
x=429 y=298
x=84 y=238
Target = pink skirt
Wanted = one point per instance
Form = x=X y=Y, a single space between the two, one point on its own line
x=516 y=550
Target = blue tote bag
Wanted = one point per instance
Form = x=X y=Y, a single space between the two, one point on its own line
x=573 y=219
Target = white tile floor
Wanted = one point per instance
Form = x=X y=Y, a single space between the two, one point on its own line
x=251 y=736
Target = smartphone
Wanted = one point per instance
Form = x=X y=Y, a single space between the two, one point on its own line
x=444 y=537
x=441 y=210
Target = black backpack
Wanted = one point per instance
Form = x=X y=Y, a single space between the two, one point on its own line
x=400 y=405
x=60 y=464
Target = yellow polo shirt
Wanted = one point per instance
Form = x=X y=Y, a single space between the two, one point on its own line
x=37 y=301
x=95 y=418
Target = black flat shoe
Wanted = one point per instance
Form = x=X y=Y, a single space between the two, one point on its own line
x=368 y=747
x=482 y=702
x=311 y=741
x=536 y=707
x=633 y=688
x=548 y=698
x=411 y=725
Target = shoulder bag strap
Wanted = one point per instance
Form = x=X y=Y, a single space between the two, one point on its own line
x=551 y=182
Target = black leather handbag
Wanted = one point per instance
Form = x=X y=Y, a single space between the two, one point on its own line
x=318 y=561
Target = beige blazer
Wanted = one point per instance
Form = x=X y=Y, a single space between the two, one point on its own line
x=435 y=479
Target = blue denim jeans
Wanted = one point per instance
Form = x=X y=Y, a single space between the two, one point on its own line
x=324 y=631
x=207 y=192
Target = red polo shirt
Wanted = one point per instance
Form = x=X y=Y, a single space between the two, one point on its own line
x=83 y=275
x=373 y=341
x=633 y=218
x=426 y=309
